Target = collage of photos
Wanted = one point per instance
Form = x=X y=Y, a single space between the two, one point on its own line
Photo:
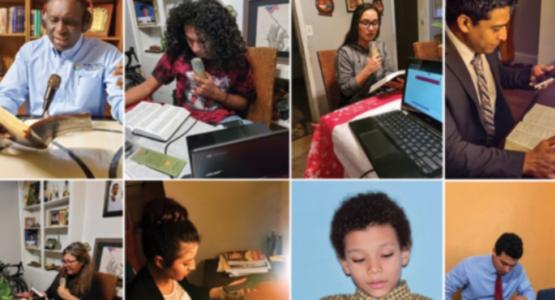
x=277 y=149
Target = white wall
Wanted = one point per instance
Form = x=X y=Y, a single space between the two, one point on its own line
x=328 y=33
x=10 y=232
x=94 y=225
x=546 y=51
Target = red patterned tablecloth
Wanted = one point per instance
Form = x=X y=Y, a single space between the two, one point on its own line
x=321 y=161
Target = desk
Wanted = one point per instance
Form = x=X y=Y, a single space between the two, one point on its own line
x=95 y=152
x=178 y=149
x=334 y=151
x=268 y=286
x=521 y=101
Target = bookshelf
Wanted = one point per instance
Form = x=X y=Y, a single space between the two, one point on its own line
x=11 y=42
x=51 y=216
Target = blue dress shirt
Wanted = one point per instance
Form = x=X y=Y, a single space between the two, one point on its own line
x=86 y=72
x=476 y=277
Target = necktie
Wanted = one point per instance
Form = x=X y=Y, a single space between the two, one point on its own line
x=486 y=109
x=498 y=288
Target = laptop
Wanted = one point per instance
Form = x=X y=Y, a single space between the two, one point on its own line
x=408 y=143
x=249 y=151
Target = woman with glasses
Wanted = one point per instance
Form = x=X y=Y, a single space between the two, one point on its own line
x=362 y=59
x=75 y=279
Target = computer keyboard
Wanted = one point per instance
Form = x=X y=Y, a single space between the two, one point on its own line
x=419 y=144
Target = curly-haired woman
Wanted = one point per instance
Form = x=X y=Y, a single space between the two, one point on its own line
x=203 y=29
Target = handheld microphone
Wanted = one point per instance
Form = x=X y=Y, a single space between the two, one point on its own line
x=198 y=67
x=53 y=85
x=374 y=51
x=63 y=282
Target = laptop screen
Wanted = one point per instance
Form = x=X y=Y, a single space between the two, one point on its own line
x=423 y=88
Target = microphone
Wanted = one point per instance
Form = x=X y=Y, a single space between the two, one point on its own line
x=63 y=282
x=374 y=51
x=53 y=85
x=198 y=67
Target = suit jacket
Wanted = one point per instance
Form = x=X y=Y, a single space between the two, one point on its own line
x=142 y=287
x=468 y=154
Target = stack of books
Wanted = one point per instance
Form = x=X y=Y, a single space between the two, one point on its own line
x=244 y=262
x=12 y=19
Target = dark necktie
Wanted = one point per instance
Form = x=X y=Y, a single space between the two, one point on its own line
x=498 y=288
x=486 y=109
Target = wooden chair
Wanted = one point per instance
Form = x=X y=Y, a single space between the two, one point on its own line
x=107 y=285
x=427 y=50
x=326 y=59
x=263 y=62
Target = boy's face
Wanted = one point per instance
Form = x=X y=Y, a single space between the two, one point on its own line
x=185 y=263
x=374 y=259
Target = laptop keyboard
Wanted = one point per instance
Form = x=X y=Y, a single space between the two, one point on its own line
x=419 y=144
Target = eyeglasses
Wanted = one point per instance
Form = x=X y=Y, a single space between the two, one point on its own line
x=68 y=262
x=367 y=24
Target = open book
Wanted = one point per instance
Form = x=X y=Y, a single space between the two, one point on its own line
x=538 y=124
x=385 y=80
x=155 y=120
x=41 y=133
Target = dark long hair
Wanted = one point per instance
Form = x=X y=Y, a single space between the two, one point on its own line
x=352 y=35
x=85 y=275
x=214 y=22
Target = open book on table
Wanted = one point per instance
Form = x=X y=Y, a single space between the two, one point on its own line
x=155 y=120
x=537 y=125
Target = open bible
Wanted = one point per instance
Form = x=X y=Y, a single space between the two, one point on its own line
x=42 y=132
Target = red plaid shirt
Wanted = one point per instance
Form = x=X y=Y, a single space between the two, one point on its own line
x=237 y=81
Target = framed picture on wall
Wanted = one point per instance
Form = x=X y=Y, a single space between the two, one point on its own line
x=269 y=25
x=113 y=199
x=352 y=4
x=108 y=257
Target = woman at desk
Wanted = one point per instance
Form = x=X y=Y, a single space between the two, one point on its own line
x=362 y=59
x=170 y=244
x=75 y=279
x=205 y=30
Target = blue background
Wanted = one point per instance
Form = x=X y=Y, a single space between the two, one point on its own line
x=315 y=270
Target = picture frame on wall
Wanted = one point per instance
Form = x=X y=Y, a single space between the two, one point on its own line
x=269 y=25
x=108 y=257
x=352 y=4
x=102 y=19
x=113 y=199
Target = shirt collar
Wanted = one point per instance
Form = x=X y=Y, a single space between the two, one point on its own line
x=402 y=291
x=66 y=53
x=464 y=51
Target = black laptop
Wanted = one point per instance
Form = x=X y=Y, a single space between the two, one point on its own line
x=408 y=143
x=249 y=151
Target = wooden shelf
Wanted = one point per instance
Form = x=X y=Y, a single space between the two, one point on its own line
x=32 y=248
x=34 y=207
x=14 y=35
x=148 y=26
x=56 y=203
x=56 y=227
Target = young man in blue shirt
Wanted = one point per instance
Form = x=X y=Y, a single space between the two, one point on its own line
x=85 y=65
x=497 y=276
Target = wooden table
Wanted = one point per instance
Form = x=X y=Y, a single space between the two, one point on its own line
x=521 y=101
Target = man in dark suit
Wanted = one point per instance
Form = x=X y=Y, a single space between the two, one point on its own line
x=478 y=118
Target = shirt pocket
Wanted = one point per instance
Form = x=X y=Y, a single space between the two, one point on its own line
x=89 y=91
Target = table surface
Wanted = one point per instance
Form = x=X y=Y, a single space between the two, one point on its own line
x=97 y=151
x=521 y=101
x=178 y=149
